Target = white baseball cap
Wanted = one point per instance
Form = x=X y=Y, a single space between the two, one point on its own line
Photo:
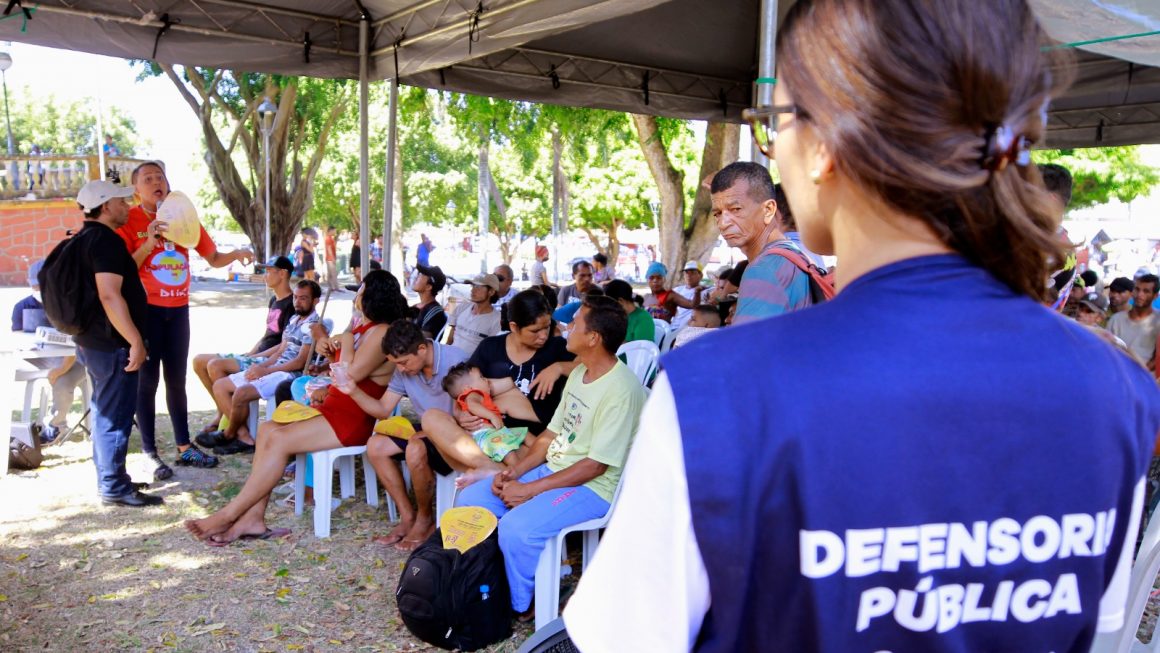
x=692 y=265
x=98 y=191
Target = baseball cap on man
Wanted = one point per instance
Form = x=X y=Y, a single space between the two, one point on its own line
x=34 y=272
x=691 y=265
x=1096 y=302
x=489 y=280
x=438 y=279
x=1121 y=284
x=98 y=191
x=282 y=263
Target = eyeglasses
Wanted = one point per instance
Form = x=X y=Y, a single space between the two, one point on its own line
x=763 y=123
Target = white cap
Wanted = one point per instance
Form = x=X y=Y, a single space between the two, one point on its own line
x=98 y=191
x=692 y=265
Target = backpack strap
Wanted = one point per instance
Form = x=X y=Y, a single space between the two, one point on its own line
x=819 y=278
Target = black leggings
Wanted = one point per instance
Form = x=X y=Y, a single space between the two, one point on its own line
x=167 y=339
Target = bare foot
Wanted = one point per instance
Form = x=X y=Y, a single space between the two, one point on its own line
x=420 y=531
x=473 y=475
x=396 y=534
x=201 y=529
x=240 y=530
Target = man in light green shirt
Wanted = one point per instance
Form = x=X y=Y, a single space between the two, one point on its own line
x=571 y=473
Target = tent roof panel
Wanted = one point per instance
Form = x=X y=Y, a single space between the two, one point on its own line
x=698 y=56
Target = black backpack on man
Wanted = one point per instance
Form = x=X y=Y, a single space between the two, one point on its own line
x=456 y=600
x=67 y=287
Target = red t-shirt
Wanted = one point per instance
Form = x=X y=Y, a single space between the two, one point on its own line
x=165 y=275
x=331 y=248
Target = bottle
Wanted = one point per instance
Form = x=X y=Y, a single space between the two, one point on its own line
x=483 y=591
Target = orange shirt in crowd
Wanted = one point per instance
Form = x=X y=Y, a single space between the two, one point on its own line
x=164 y=274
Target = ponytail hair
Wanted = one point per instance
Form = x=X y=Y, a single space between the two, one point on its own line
x=933 y=107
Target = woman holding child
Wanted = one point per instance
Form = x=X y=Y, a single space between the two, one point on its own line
x=341 y=423
x=528 y=355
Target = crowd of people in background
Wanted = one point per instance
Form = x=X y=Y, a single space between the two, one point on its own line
x=827 y=462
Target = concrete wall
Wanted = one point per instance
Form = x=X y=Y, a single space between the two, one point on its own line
x=29 y=230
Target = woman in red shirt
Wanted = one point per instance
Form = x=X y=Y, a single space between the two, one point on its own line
x=164 y=269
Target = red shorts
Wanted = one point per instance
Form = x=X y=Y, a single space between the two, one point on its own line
x=352 y=426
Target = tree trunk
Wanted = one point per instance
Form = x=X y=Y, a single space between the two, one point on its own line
x=290 y=192
x=670 y=186
x=722 y=142
x=680 y=241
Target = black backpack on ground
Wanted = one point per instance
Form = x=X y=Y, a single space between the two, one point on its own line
x=26 y=455
x=454 y=600
x=67 y=287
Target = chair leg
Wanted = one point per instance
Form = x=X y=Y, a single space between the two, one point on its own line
x=346 y=476
x=548 y=583
x=371 y=481
x=252 y=419
x=299 y=482
x=591 y=540
x=323 y=479
x=29 y=389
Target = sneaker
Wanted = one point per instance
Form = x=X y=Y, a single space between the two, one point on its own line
x=161 y=470
x=194 y=457
x=49 y=434
x=211 y=439
x=232 y=447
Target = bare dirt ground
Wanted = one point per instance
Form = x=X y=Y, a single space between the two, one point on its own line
x=79 y=576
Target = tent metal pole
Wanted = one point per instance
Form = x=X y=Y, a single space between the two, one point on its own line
x=766 y=54
x=364 y=199
x=389 y=190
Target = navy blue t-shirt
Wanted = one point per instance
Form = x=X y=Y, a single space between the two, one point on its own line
x=929 y=461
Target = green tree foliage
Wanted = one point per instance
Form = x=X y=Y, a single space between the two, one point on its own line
x=1103 y=173
x=66 y=128
x=226 y=103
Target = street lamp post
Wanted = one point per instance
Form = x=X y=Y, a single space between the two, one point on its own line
x=266 y=113
x=5 y=64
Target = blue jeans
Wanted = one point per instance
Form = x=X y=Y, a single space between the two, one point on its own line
x=525 y=529
x=113 y=400
x=167 y=336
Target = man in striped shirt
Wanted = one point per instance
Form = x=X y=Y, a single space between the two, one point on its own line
x=745 y=208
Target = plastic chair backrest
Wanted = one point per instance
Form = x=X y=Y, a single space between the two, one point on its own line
x=662 y=329
x=443 y=335
x=670 y=338
x=1144 y=572
x=641 y=357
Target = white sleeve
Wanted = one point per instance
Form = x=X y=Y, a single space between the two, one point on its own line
x=646 y=588
x=1115 y=598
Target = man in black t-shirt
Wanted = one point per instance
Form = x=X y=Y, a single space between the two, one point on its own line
x=429 y=315
x=111 y=347
x=211 y=367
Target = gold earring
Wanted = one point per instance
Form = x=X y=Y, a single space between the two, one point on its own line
x=816 y=176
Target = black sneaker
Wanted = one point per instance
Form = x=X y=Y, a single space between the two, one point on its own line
x=194 y=457
x=232 y=447
x=162 y=471
x=134 y=499
x=211 y=439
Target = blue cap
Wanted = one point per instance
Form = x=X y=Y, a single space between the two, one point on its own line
x=656 y=267
x=34 y=271
x=282 y=263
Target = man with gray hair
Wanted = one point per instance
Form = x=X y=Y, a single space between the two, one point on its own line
x=745 y=208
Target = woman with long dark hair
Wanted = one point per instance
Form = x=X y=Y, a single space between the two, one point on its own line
x=341 y=424
x=897 y=468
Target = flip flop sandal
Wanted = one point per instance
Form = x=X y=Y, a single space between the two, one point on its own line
x=387 y=540
x=408 y=545
x=270 y=534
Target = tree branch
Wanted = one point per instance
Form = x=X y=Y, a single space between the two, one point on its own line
x=181 y=88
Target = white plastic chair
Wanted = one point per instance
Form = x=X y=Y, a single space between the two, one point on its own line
x=445 y=494
x=1144 y=572
x=662 y=329
x=641 y=357
x=549 y=570
x=324 y=462
x=252 y=420
x=669 y=339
